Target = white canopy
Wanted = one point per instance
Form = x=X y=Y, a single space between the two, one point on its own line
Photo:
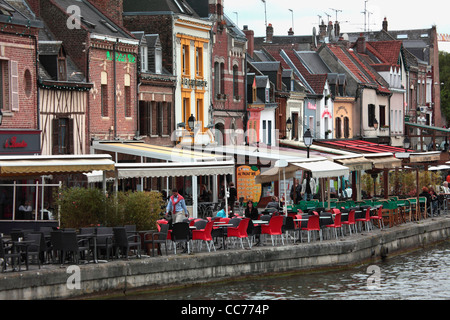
x=324 y=169
x=173 y=169
x=441 y=167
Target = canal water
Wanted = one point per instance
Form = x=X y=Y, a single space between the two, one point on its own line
x=420 y=275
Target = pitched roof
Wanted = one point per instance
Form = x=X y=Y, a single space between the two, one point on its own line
x=356 y=66
x=16 y=12
x=315 y=81
x=167 y=6
x=94 y=20
x=387 y=51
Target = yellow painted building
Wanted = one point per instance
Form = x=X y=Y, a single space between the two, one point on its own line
x=343 y=117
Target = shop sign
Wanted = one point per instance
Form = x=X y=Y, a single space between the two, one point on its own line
x=246 y=185
x=311 y=106
x=19 y=142
x=121 y=57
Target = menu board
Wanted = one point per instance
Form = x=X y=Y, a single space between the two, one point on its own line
x=245 y=183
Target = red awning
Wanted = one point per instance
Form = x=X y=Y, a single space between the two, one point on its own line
x=362 y=146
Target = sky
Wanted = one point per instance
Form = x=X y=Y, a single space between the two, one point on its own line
x=401 y=15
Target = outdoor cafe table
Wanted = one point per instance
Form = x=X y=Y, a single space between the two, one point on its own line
x=259 y=222
x=223 y=225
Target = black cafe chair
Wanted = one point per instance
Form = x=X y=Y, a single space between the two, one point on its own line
x=123 y=242
x=180 y=234
x=155 y=238
x=104 y=238
x=9 y=256
x=35 y=249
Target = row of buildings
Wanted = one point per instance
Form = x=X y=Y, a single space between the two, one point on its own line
x=73 y=72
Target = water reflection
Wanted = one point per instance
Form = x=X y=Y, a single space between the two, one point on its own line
x=421 y=275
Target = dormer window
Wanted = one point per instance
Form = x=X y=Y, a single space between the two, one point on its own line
x=144 y=58
x=62 y=67
x=158 y=61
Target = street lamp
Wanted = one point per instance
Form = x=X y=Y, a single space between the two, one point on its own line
x=191 y=122
x=289 y=125
x=375 y=124
x=308 y=140
x=1 y=117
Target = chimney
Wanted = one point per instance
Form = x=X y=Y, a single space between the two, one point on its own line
x=113 y=9
x=322 y=31
x=35 y=6
x=216 y=8
x=385 y=24
x=337 y=30
x=291 y=32
x=269 y=33
x=250 y=35
x=361 y=44
x=343 y=41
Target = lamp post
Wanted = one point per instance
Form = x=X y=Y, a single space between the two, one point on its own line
x=308 y=140
x=289 y=125
x=191 y=122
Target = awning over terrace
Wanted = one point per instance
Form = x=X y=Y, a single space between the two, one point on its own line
x=173 y=154
x=171 y=169
x=34 y=166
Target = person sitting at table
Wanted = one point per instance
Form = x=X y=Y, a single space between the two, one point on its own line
x=250 y=211
x=222 y=213
x=445 y=188
x=273 y=204
x=26 y=211
x=204 y=194
x=426 y=193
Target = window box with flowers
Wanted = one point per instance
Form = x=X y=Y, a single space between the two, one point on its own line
x=385 y=127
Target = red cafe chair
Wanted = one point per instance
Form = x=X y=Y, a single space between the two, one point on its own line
x=240 y=232
x=313 y=225
x=350 y=221
x=204 y=236
x=274 y=228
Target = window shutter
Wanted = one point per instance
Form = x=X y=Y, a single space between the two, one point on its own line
x=14 y=85
x=55 y=136
x=70 y=134
x=154 y=118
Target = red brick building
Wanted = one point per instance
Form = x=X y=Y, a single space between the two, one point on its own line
x=19 y=130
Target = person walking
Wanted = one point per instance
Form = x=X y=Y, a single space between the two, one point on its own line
x=295 y=192
x=177 y=206
x=308 y=187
